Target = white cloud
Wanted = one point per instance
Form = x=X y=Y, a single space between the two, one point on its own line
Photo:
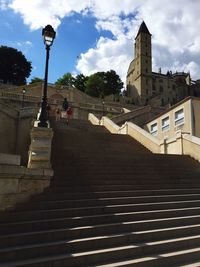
x=174 y=27
x=108 y=54
x=28 y=43
x=4 y=4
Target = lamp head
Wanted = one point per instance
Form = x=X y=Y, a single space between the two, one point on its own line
x=49 y=35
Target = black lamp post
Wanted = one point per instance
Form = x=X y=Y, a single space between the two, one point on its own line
x=103 y=103
x=49 y=35
x=23 y=94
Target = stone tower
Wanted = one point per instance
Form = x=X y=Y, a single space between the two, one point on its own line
x=139 y=76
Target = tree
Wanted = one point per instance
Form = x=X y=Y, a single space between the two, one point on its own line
x=113 y=83
x=14 y=67
x=80 y=82
x=67 y=79
x=95 y=85
x=101 y=84
x=36 y=80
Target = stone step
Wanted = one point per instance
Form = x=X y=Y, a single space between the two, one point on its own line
x=141 y=186
x=99 y=242
x=113 y=194
x=86 y=230
x=147 y=158
x=113 y=179
x=26 y=216
x=172 y=259
x=160 y=250
x=129 y=166
x=81 y=202
x=50 y=235
x=95 y=210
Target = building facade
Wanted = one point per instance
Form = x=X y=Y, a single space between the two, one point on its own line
x=183 y=116
x=147 y=87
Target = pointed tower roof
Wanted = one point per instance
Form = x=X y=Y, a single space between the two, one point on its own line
x=143 y=29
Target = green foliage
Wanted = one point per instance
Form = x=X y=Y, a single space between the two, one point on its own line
x=67 y=79
x=36 y=80
x=113 y=83
x=101 y=84
x=109 y=115
x=95 y=85
x=14 y=67
x=80 y=82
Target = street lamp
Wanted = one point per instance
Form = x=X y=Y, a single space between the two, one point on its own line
x=103 y=103
x=23 y=94
x=49 y=35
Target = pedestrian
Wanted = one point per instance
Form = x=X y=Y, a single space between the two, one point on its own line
x=69 y=114
x=58 y=114
x=65 y=104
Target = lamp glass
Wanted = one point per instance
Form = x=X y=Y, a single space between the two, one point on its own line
x=49 y=35
x=48 y=40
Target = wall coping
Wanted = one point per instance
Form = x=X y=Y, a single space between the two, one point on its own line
x=10 y=159
x=21 y=171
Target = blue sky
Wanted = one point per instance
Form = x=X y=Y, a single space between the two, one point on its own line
x=74 y=36
x=98 y=35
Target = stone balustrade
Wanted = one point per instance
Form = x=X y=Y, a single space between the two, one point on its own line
x=182 y=143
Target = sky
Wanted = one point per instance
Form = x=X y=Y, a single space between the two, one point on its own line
x=98 y=35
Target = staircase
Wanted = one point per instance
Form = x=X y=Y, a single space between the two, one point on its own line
x=111 y=203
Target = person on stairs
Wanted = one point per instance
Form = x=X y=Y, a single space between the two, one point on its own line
x=58 y=114
x=69 y=114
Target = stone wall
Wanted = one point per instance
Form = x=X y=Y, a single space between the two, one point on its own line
x=18 y=184
x=15 y=130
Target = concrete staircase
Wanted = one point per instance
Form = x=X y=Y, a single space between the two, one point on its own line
x=111 y=203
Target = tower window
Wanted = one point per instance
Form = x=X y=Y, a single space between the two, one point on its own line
x=161 y=89
x=146 y=70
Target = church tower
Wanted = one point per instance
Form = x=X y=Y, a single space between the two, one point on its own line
x=139 y=76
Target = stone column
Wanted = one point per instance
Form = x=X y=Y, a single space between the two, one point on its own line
x=40 y=148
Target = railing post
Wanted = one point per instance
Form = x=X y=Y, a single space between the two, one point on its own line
x=40 y=148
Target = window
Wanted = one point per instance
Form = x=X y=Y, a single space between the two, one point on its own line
x=165 y=124
x=161 y=89
x=154 y=129
x=179 y=117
